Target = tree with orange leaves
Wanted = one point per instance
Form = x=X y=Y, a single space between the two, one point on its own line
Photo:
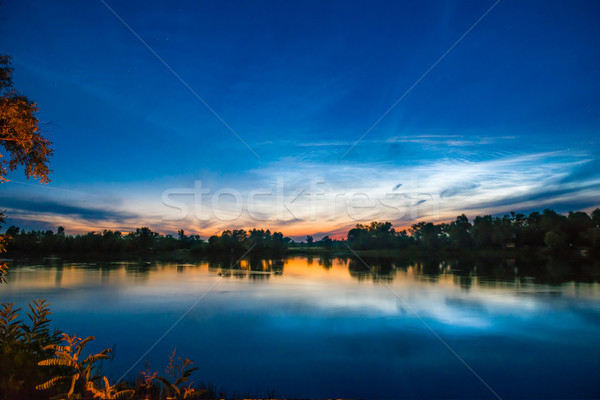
x=20 y=136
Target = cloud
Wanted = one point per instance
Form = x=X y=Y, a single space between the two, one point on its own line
x=24 y=206
x=330 y=197
x=422 y=139
x=572 y=198
x=458 y=188
x=449 y=140
x=587 y=170
x=325 y=143
x=496 y=184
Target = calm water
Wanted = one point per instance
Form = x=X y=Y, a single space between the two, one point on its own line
x=300 y=328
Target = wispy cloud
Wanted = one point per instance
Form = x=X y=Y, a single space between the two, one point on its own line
x=419 y=139
x=307 y=197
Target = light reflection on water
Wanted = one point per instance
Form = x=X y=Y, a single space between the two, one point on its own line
x=324 y=328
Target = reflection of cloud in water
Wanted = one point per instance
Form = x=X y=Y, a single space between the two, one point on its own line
x=304 y=288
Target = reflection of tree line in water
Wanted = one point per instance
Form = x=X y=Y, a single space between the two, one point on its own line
x=542 y=270
x=489 y=269
x=552 y=270
x=255 y=268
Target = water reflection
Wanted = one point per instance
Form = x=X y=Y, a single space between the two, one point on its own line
x=462 y=270
x=330 y=326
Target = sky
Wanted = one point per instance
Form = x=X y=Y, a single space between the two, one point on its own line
x=304 y=117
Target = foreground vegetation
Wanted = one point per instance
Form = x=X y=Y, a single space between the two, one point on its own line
x=38 y=362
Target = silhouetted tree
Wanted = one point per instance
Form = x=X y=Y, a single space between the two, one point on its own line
x=575 y=227
x=427 y=234
x=142 y=239
x=596 y=217
x=459 y=232
x=326 y=242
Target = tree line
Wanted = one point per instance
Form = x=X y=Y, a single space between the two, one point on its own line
x=557 y=232
x=142 y=241
x=546 y=229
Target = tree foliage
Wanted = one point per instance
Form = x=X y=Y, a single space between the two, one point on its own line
x=20 y=135
x=576 y=230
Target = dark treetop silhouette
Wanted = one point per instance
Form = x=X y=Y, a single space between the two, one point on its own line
x=548 y=230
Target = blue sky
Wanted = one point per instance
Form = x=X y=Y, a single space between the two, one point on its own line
x=507 y=120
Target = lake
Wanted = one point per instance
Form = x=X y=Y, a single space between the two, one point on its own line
x=312 y=327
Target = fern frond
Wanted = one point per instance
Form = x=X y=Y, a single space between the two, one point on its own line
x=3 y=271
x=57 y=348
x=177 y=391
x=65 y=362
x=86 y=341
x=10 y=327
x=91 y=388
x=168 y=385
x=38 y=309
x=93 y=358
x=124 y=393
x=52 y=382
x=40 y=324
